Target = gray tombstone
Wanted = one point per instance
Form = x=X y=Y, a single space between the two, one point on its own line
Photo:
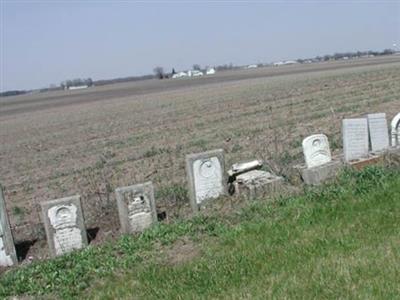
x=8 y=256
x=378 y=131
x=355 y=139
x=206 y=176
x=64 y=224
x=136 y=207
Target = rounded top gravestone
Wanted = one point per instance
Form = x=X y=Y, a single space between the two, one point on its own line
x=395 y=130
x=316 y=150
x=206 y=176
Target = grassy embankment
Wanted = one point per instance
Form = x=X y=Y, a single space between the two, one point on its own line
x=339 y=241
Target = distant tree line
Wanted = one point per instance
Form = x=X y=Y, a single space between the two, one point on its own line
x=12 y=93
x=122 y=79
x=159 y=72
x=350 y=55
x=76 y=82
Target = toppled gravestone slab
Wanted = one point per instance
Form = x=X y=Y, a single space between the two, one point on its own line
x=257 y=183
x=8 y=256
x=242 y=167
x=64 y=225
x=206 y=177
x=136 y=207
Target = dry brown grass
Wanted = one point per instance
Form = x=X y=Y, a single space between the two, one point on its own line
x=92 y=148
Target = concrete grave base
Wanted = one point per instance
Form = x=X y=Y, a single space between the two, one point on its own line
x=320 y=174
x=394 y=151
x=372 y=160
x=393 y=156
x=257 y=183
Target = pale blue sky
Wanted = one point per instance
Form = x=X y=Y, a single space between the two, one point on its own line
x=44 y=42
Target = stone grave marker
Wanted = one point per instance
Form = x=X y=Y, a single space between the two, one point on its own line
x=206 y=176
x=355 y=139
x=378 y=131
x=257 y=183
x=136 y=207
x=316 y=150
x=64 y=225
x=8 y=256
x=395 y=130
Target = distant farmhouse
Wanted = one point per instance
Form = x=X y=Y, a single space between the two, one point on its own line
x=210 y=71
x=194 y=73
x=76 y=84
x=287 y=62
x=79 y=87
x=251 y=67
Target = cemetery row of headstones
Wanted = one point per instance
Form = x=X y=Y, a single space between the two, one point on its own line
x=64 y=220
x=364 y=140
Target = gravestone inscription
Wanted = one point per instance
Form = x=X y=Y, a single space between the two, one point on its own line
x=316 y=150
x=136 y=207
x=378 y=131
x=355 y=139
x=206 y=176
x=64 y=225
x=8 y=256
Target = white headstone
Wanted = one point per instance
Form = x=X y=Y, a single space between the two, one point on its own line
x=8 y=255
x=64 y=225
x=136 y=207
x=355 y=138
x=395 y=130
x=378 y=131
x=206 y=176
x=316 y=150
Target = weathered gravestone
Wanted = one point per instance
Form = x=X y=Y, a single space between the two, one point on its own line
x=378 y=131
x=316 y=150
x=136 y=207
x=395 y=131
x=8 y=256
x=64 y=225
x=206 y=176
x=355 y=139
x=319 y=163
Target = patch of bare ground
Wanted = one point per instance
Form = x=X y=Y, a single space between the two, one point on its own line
x=182 y=251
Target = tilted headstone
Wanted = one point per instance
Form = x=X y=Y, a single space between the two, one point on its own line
x=8 y=256
x=355 y=139
x=378 y=131
x=316 y=150
x=395 y=130
x=136 y=207
x=206 y=176
x=64 y=224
